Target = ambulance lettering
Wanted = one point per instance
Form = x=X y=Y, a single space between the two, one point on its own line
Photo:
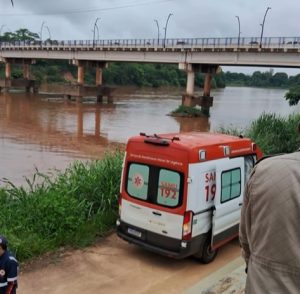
x=210 y=185
x=168 y=190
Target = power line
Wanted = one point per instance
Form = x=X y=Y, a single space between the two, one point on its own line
x=89 y=10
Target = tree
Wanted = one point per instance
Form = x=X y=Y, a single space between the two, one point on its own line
x=19 y=35
x=280 y=79
x=25 y=35
x=293 y=95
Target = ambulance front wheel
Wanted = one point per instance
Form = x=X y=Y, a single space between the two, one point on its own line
x=208 y=254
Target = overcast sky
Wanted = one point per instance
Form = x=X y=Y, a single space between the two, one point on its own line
x=74 y=19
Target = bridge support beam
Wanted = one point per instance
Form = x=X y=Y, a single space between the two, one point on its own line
x=24 y=82
x=7 y=70
x=80 y=73
x=99 y=66
x=189 y=99
x=80 y=90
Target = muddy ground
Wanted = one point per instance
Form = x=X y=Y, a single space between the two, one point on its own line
x=114 y=266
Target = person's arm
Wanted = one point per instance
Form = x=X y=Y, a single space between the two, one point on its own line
x=245 y=223
x=12 y=274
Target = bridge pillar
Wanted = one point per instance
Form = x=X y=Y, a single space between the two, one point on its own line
x=80 y=73
x=99 y=81
x=189 y=99
x=207 y=99
x=26 y=71
x=7 y=70
x=80 y=90
x=24 y=82
x=190 y=85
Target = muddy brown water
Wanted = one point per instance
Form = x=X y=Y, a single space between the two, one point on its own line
x=47 y=133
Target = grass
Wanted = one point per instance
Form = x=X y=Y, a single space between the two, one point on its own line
x=68 y=209
x=273 y=134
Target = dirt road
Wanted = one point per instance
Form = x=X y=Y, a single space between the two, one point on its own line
x=114 y=267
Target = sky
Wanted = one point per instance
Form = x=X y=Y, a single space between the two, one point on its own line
x=123 y=19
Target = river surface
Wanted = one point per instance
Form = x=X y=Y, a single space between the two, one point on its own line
x=47 y=133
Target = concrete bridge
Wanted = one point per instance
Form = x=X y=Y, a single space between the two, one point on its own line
x=192 y=55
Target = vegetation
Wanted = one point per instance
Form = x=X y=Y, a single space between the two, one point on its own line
x=293 y=95
x=272 y=133
x=186 y=111
x=70 y=209
x=258 y=79
x=19 y=35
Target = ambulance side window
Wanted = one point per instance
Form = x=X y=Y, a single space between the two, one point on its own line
x=138 y=178
x=231 y=184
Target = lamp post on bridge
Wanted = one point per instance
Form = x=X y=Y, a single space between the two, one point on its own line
x=239 y=36
x=41 y=32
x=48 y=32
x=94 y=30
x=157 y=31
x=262 y=27
x=166 y=27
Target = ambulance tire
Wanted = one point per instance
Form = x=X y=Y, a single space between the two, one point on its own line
x=208 y=255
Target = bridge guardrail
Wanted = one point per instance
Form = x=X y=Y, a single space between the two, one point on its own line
x=185 y=43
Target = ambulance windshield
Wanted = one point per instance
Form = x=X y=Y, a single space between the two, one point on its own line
x=154 y=184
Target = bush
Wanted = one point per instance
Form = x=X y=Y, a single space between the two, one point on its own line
x=272 y=133
x=71 y=209
x=186 y=111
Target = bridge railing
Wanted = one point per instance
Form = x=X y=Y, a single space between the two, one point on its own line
x=185 y=43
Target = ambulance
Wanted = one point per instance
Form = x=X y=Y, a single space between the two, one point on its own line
x=181 y=194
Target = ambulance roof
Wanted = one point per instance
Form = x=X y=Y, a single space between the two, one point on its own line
x=199 y=140
x=193 y=140
x=214 y=145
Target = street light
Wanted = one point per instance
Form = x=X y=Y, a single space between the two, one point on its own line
x=239 y=36
x=157 y=31
x=262 y=27
x=97 y=32
x=48 y=32
x=41 y=32
x=94 y=30
x=166 y=27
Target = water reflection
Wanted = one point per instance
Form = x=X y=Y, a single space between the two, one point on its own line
x=43 y=134
x=200 y=124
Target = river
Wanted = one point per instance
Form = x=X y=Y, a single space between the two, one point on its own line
x=47 y=133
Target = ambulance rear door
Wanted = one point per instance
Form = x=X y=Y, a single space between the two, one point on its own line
x=229 y=194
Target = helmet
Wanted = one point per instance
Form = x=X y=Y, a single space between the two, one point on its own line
x=3 y=242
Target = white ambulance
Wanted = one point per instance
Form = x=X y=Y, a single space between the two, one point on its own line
x=181 y=194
